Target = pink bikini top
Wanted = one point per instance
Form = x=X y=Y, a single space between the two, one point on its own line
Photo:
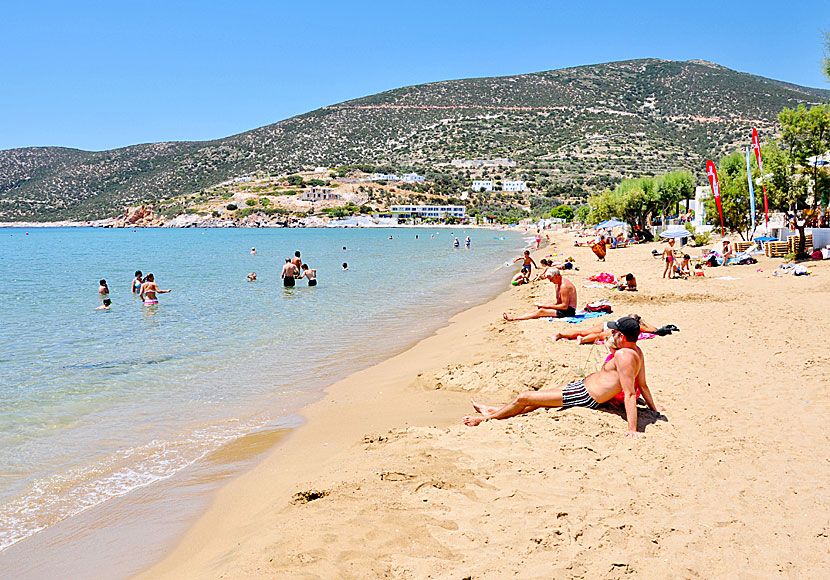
x=621 y=395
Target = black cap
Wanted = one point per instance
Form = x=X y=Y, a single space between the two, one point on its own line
x=629 y=327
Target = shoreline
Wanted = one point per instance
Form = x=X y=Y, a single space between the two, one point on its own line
x=332 y=425
x=383 y=479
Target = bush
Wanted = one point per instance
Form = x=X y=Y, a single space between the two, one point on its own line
x=231 y=207
x=251 y=202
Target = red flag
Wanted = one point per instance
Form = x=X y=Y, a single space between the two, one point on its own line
x=756 y=145
x=712 y=173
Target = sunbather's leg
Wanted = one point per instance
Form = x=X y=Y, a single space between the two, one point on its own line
x=538 y=313
x=524 y=403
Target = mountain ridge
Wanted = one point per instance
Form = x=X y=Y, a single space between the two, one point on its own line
x=611 y=120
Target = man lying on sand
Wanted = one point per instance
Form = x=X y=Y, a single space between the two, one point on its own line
x=564 y=306
x=623 y=371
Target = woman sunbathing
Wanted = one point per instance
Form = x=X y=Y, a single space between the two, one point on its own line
x=594 y=333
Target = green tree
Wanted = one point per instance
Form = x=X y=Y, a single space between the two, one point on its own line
x=565 y=212
x=825 y=64
x=672 y=188
x=582 y=213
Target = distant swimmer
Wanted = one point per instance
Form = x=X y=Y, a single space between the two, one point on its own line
x=467 y=242
x=104 y=294
x=455 y=243
x=289 y=272
x=390 y=237
x=416 y=236
x=253 y=251
x=344 y=248
x=310 y=274
x=135 y=286
x=149 y=289
x=252 y=277
x=345 y=266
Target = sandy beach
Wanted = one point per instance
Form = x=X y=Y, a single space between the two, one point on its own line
x=384 y=481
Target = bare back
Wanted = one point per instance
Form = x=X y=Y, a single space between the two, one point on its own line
x=566 y=291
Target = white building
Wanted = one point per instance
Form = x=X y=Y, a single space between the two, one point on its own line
x=482 y=185
x=385 y=177
x=319 y=194
x=241 y=179
x=431 y=211
x=513 y=185
x=410 y=177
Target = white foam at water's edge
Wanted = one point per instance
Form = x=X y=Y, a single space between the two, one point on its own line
x=61 y=496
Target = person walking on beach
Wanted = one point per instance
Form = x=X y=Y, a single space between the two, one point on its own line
x=564 y=306
x=668 y=257
x=623 y=371
x=135 y=286
x=310 y=274
x=104 y=294
x=149 y=290
x=527 y=261
x=289 y=272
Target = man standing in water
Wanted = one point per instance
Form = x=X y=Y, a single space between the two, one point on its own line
x=149 y=289
x=289 y=272
x=624 y=371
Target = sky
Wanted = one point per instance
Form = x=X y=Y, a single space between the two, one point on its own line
x=102 y=75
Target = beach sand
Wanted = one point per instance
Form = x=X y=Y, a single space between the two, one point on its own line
x=385 y=482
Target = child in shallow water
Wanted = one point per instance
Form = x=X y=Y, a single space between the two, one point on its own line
x=104 y=294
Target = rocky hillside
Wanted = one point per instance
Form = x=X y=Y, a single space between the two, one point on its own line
x=587 y=125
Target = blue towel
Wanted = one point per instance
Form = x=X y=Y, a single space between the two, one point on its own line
x=582 y=315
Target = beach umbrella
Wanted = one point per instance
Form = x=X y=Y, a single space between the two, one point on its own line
x=614 y=224
x=676 y=233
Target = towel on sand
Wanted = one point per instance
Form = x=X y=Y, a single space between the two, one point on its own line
x=580 y=316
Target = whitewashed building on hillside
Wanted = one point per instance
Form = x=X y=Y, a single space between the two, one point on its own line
x=430 y=211
x=513 y=185
x=483 y=185
x=319 y=194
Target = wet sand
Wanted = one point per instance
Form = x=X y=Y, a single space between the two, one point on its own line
x=384 y=481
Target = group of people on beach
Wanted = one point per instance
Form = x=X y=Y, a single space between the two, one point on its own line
x=622 y=376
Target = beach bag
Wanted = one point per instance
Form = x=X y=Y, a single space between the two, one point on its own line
x=598 y=307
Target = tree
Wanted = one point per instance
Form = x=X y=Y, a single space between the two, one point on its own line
x=564 y=212
x=673 y=188
x=825 y=64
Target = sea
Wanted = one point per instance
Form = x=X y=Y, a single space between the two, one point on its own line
x=100 y=404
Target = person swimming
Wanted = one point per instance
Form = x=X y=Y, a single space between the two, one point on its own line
x=104 y=294
x=135 y=287
x=253 y=251
x=345 y=266
x=455 y=243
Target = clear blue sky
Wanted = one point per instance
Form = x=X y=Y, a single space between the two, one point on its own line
x=110 y=74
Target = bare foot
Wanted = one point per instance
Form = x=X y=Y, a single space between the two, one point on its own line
x=506 y=317
x=473 y=421
x=557 y=336
x=579 y=339
x=483 y=409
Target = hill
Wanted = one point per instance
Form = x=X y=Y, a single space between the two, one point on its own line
x=574 y=129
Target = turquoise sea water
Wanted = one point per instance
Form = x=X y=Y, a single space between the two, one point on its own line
x=99 y=403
